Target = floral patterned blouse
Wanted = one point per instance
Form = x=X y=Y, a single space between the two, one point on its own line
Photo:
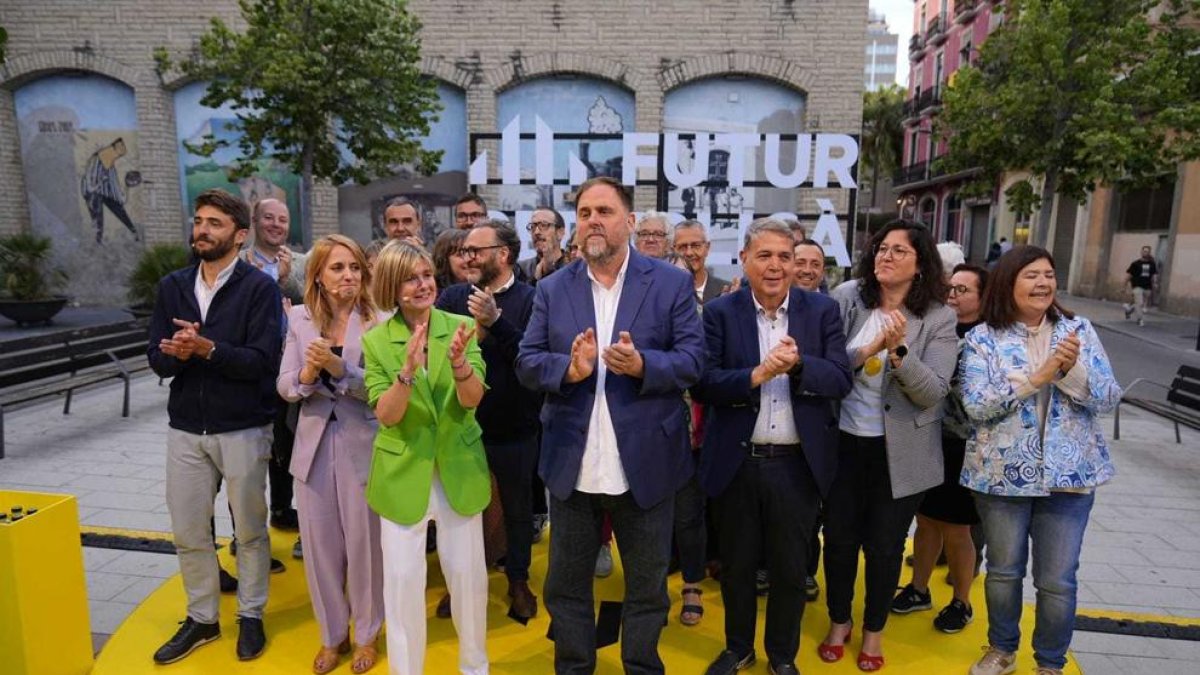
x=1006 y=455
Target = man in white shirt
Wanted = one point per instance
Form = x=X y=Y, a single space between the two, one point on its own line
x=613 y=341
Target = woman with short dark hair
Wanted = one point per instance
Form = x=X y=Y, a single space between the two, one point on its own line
x=1035 y=380
x=901 y=344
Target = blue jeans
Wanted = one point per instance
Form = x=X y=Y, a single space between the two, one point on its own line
x=1055 y=524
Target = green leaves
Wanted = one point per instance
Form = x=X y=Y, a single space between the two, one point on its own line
x=1087 y=92
x=25 y=269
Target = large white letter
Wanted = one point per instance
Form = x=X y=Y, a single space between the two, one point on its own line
x=544 y=152
x=510 y=152
x=774 y=168
x=632 y=161
x=828 y=233
x=477 y=173
x=737 y=143
x=839 y=166
x=699 y=168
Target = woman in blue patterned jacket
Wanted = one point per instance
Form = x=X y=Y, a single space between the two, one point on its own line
x=1035 y=379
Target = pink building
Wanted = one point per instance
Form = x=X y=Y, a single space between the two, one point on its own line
x=946 y=36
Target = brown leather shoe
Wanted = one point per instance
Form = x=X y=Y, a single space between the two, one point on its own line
x=524 y=602
x=443 y=608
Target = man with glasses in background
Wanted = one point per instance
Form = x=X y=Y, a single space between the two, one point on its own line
x=692 y=246
x=651 y=235
x=546 y=229
x=469 y=210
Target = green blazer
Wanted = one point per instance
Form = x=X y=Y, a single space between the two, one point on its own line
x=435 y=432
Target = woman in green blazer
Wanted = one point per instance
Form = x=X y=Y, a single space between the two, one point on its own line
x=424 y=377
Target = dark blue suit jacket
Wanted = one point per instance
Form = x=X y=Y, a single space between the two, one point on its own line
x=658 y=308
x=731 y=333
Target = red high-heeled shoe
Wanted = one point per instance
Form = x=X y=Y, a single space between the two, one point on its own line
x=868 y=663
x=834 y=653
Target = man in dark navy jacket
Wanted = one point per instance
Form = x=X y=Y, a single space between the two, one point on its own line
x=216 y=332
x=776 y=364
x=613 y=341
x=508 y=415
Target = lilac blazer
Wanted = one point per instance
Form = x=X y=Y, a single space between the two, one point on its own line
x=348 y=401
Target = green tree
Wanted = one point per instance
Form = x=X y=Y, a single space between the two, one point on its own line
x=312 y=79
x=1082 y=93
x=882 y=143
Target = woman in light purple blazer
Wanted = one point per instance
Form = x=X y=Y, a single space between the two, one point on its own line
x=332 y=453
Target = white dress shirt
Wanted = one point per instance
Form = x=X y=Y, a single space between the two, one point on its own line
x=205 y=293
x=601 y=471
x=775 y=423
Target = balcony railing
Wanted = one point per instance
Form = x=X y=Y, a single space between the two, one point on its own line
x=964 y=10
x=922 y=101
x=916 y=47
x=936 y=34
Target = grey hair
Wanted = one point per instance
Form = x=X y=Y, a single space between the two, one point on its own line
x=761 y=225
x=655 y=215
x=692 y=224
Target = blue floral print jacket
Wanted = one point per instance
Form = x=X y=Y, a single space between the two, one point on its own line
x=1005 y=454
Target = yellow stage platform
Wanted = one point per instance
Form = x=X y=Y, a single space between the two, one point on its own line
x=911 y=644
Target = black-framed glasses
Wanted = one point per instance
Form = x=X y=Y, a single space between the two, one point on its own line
x=470 y=252
x=960 y=290
x=540 y=226
x=898 y=252
x=644 y=234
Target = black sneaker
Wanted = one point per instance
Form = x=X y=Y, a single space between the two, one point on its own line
x=954 y=617
x=728 y=662
x=811 y=590
x=277 y=566
x=228 y=581
x=911 y=600
x=762 y=582
x=251 y=638
x=190 y=635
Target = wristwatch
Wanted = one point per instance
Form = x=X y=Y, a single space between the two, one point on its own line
x=406 y=380
x=901 y=351
x=211 y=350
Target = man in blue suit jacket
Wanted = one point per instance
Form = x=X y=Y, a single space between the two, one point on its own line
x=613 y=342
x=776 y=364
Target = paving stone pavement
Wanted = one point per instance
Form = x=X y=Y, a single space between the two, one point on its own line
x=1141 y=553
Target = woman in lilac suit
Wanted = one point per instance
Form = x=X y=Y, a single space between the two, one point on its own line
x=332 y=453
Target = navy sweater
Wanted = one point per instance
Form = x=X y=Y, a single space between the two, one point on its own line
x=508 y=411
x=236 y=388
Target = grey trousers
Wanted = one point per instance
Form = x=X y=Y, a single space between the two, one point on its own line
x=195 y=466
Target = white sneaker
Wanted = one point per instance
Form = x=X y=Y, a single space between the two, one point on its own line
x=994 y=662
x=604 y=561
x=1128 y=311
x=1141 y=322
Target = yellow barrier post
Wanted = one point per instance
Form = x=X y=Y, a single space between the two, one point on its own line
x=43 y=592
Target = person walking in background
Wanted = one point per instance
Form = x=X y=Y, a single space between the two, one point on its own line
x=1141 y=278
x=1035 y=380
x=947 y=512
x=902 y=349
x=332 y=453
x=424 y=375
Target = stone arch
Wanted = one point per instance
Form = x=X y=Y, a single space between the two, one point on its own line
x=520 y=69
x=30 y=66
x=672 y=75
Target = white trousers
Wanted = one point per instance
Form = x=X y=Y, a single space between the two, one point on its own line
x=460 y=550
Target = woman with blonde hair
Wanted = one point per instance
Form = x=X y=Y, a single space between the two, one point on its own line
x=332 y=452
x=424 y=377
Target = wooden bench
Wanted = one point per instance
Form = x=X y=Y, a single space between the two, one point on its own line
x=59 y=363
x=1182 y=406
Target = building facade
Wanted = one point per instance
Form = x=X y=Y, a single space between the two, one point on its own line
x=882 y=52
x=80 y=96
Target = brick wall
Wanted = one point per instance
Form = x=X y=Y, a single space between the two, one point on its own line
x=483 y=46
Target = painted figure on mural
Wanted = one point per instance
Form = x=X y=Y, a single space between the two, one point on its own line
x=101 y=187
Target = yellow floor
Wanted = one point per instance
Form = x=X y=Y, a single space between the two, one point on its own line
x=911 y=644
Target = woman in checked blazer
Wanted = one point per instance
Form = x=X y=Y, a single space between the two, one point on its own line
x=903 y=349
x=332 y=453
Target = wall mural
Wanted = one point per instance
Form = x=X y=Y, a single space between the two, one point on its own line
x=79 y=153
x=724 y=105
x=193 y=122
x=567 y=105
x=360 y=207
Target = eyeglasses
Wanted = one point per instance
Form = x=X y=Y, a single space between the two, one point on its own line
x=540 y=226
x=469 y=215
x=470 y=252
x=960 y=290
x=651 y=235
x=898 y=252
x=691 y=246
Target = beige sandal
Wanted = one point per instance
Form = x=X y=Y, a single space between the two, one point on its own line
x=327 y=657
x=364 y=657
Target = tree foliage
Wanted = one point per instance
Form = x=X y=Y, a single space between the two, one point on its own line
x=1081 y=92
x=330 y=88
x=883 y=133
